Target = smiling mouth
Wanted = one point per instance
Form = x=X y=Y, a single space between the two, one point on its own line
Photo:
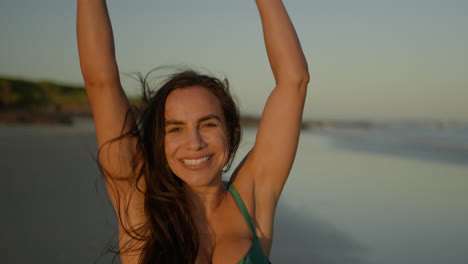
x=193 y=162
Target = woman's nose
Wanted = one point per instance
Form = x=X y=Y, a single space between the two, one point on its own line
x=195 y=140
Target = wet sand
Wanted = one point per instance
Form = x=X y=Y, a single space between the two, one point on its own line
x=338 y=206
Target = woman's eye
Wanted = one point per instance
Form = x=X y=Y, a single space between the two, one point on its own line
x=210 y=125
x=174 y=129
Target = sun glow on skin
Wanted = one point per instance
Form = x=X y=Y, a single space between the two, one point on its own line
x=196 y=144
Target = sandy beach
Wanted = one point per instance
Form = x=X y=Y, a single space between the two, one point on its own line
x=340 y=205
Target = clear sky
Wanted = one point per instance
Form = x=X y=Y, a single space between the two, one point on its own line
x=375 y=59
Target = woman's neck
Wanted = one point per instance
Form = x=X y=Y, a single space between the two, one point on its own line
x=205 y=200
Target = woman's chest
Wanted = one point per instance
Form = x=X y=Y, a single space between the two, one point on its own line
x=226 y=239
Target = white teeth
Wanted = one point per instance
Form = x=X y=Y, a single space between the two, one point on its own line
x=196 y=161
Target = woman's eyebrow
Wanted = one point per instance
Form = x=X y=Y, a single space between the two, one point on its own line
x=174 y=122
x=201 y=119
x=208 y=117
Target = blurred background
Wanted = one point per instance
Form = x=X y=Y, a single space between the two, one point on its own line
x=381 y=174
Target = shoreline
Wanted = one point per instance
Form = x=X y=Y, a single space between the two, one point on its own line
x=40 y=117
x=67 y=118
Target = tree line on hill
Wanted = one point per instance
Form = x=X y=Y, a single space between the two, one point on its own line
x=23 y=101
x=42 y=96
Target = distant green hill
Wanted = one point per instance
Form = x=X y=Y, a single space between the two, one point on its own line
x=16 y=94
x=23 y=101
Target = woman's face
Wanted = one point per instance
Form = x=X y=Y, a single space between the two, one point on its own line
x=196 y=139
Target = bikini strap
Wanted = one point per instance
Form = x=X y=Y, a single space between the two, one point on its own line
x=243 y=209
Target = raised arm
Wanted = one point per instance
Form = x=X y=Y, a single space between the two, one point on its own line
x=280 y=125
x=111 y=117
x=270 y=161
x=101 y=77
x=286 y=58
x=110 y=107
x=96 y=44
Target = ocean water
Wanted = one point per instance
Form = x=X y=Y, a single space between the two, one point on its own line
x=393 y=194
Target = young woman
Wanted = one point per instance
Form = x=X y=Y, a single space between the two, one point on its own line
x=163 y=174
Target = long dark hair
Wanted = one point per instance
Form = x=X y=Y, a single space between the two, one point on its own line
x=170 y=235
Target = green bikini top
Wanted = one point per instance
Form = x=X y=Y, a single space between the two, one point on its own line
x=255 y=254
